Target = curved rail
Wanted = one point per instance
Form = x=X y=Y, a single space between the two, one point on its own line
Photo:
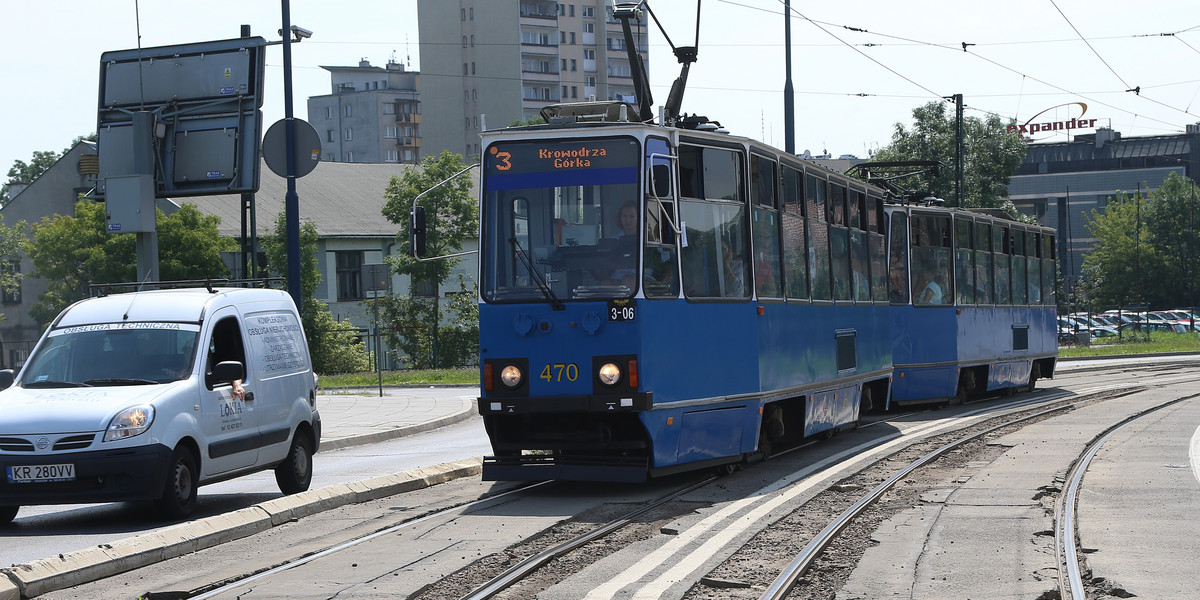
x=1070 y=580
x=535 y=562
x=787 y=578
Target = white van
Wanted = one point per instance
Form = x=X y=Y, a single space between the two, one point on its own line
x=131 y=397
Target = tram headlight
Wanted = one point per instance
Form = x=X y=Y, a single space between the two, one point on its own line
x=511 y=376
x=610 y=374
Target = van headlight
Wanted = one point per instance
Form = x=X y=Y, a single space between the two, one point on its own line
x=129 y=422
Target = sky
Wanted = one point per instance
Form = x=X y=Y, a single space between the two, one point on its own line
x=859 y=67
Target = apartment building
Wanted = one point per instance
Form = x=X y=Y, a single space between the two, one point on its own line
x=487 y=63
x=372 y=115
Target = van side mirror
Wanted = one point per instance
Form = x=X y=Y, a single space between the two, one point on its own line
x=225 y=372
x=6 y=378
x=416 y=229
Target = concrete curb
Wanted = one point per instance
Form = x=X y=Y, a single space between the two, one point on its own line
x=382 y=436
x=91 y=564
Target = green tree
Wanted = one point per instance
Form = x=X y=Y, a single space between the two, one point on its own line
x=418 y=322
x=1147 y=250
x=992 y=154
x=12 y=241
x=73 y=251
x=333 y=345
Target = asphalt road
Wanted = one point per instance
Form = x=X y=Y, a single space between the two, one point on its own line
x=45 y=531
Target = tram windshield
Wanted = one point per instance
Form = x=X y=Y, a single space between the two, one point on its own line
x=560 y=220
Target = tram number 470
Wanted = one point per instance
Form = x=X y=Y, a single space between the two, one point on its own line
x=559 y=371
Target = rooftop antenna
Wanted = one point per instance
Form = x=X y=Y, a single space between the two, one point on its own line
x=407 y=53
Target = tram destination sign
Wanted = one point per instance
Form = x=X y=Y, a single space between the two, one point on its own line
x=558 y=156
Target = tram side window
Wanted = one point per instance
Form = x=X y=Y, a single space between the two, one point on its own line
x=1048 y=297
x=713 y=263
x=860 y=284
x=715 y=230
x=983 y=263
x=964 y=262
x=839 y=250
x=660 y=272
x=931 y=260
x=1033 y=262
x=765 y=217
x=794 y=259
x=815 y=193
x=876 y=248
x=898 y=258
x=1020 y=291
x=1000 y=251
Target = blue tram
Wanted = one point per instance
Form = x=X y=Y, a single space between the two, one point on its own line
x=659 y=299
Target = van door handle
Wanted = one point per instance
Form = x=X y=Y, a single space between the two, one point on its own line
x=249 y=396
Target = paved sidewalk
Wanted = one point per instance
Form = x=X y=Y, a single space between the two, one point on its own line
x=350 y=417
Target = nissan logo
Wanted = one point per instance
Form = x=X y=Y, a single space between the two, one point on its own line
x=43 y=443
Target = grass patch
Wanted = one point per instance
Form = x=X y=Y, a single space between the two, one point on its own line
x=466 y=376
x=1159 y=341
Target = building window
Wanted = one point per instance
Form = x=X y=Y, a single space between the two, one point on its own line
x=391 y=156
x=589 y=81
x=573 y=63
x=426 y=288
x=12 y=267
x=349 y=134
x=328 y=112
x=464 y=68
x=463 y=16
x=472 y=67
x=472 y=40
x=588 y=12
x=589 y=54
x=389 y=108
x=572 y=38
x=574 y=91
x=572 y=10
x=329 y=136
x=349 y=111
x=389 y=132
x=589 y=28
x=564 y=65
x=464 y=41
x=474 y=94
x=349 y=157
x=472 y=9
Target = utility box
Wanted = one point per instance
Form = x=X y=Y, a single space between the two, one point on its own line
x=129 y=204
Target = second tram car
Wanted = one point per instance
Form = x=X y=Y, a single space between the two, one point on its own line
x=658 y=299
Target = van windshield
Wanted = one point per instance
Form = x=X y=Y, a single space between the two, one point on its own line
x=107 y=354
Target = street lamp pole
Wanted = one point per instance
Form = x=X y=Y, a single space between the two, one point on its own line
x=291 y=199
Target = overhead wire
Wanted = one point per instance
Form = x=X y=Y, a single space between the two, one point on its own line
x=964 y=48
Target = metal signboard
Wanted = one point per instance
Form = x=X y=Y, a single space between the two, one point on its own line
x=205 y=99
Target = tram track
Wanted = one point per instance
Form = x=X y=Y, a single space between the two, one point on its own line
x=703 y=526
x=1073 y=572
x=675 y=548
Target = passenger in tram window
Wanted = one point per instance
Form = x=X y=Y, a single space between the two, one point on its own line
x=735 y=280
x=627 y=223
x=930 y=292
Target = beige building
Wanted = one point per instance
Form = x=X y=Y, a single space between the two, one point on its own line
x=487 y=63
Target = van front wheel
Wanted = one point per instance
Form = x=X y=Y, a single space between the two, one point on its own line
x=178 y=499
x=294 y=474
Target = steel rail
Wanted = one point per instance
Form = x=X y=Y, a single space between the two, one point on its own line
x=535 y=562
x=211 y=592
x=786 y=580
x=1070 y=580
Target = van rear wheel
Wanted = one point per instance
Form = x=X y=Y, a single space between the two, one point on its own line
x=8 y=513
x=294 y=474
x=178 y=499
